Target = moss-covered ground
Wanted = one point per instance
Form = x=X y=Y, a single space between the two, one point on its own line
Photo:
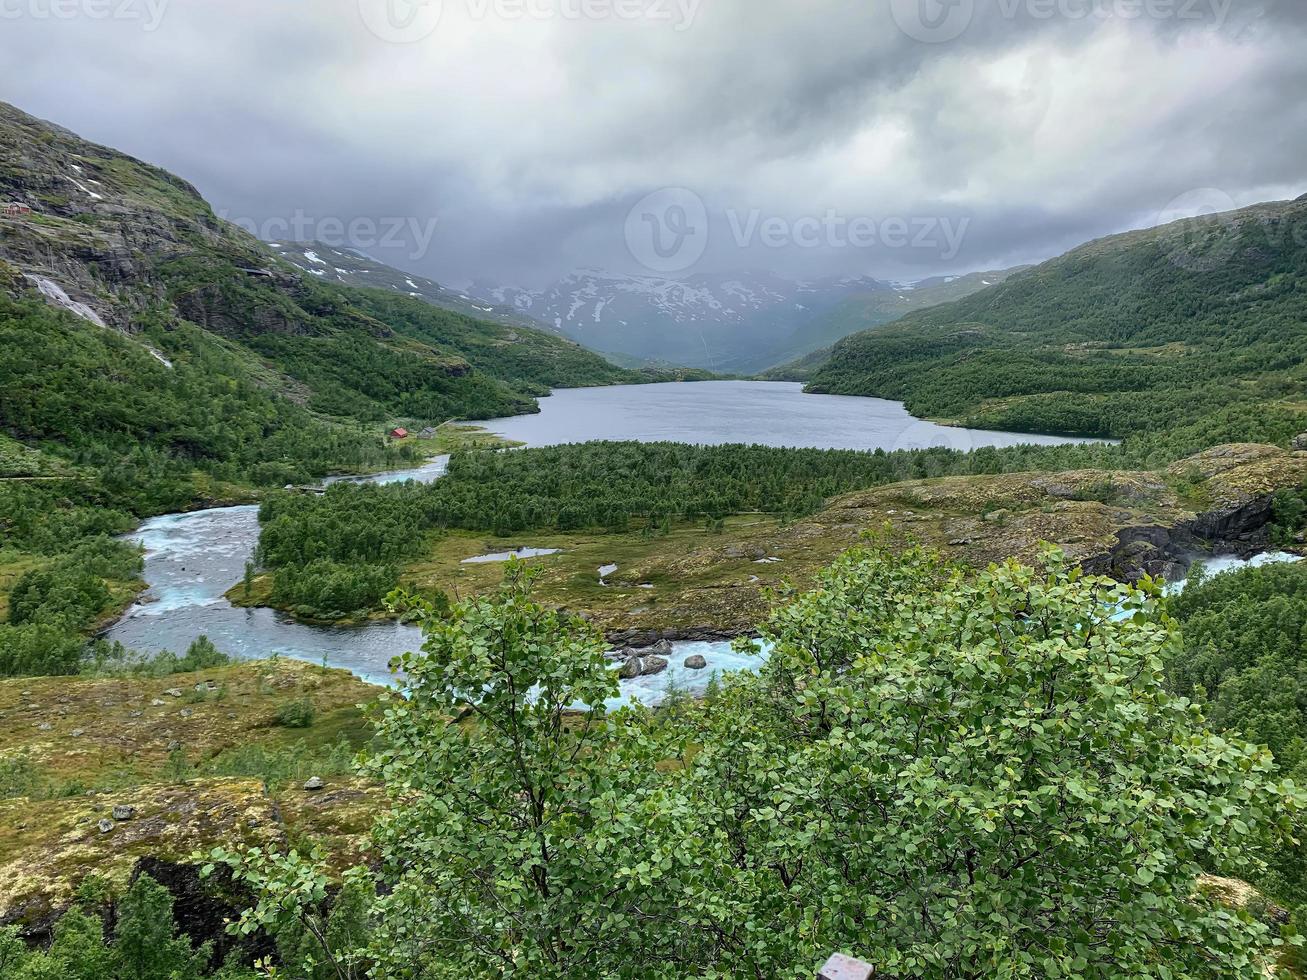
x=204 y=758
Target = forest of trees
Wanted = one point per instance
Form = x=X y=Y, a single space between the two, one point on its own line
x=1245 y=655
x=331 y=555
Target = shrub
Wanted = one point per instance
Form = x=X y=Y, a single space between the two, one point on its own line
x=296 y=714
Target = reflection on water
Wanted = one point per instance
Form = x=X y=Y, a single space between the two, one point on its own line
x=769 y=413
x=502 y=556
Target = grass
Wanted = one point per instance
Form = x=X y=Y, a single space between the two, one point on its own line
x=128 y=726
x=198 y=755
x=451 y=438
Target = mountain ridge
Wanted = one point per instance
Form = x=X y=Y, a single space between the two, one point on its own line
x=743 y=322
x=1194 y=327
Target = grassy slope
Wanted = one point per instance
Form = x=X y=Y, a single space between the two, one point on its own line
x=1198 y=325
x=209 y=791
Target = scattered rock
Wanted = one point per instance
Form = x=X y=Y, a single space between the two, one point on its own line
x=174 y=745
x=45 y=726
x=124 y=812
x=105 y=826
x=960 y=542
x=314 y=784
x=157 y=702
x=78 y=732
x=630 y=669
x=696 y=662
x=173 y=692
x=187 y=712
x=652 y=665
x=1300 y=442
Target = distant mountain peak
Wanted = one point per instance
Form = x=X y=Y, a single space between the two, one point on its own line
x=352 y=267
x=742 y=321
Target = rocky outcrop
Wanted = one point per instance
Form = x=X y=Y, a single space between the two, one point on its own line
x=1167 y=552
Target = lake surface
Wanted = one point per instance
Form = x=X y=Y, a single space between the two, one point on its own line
x=192 y=559
x=769 y=413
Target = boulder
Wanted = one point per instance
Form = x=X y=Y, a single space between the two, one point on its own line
x=663 y=648
x=630 y=669
x=123 y=812
x=105 y=826
x=696 y=662
x=653 y=665
x=1300 y=442
x=313 y=784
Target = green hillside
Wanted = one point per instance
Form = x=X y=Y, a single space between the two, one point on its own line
x=157 y=358
x=140 y=261
x=1196 y=332
x=873 y=309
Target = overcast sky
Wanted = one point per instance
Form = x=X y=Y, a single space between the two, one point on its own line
x=515 y=140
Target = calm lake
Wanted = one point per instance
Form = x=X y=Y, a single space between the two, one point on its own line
x=769 y=413
x=192 y=559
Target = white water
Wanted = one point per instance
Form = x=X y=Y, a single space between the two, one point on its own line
x=1223 y=564
x=192 y=559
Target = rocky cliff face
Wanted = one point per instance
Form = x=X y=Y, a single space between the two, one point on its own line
x=1241 y=481
x=102 y=225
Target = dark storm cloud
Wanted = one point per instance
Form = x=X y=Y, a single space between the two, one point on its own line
x=517 y=137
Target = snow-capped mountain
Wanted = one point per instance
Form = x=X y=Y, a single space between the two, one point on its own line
x=353 y=268
x=732 y=323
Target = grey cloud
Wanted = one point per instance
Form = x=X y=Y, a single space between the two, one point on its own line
x=528 y=142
